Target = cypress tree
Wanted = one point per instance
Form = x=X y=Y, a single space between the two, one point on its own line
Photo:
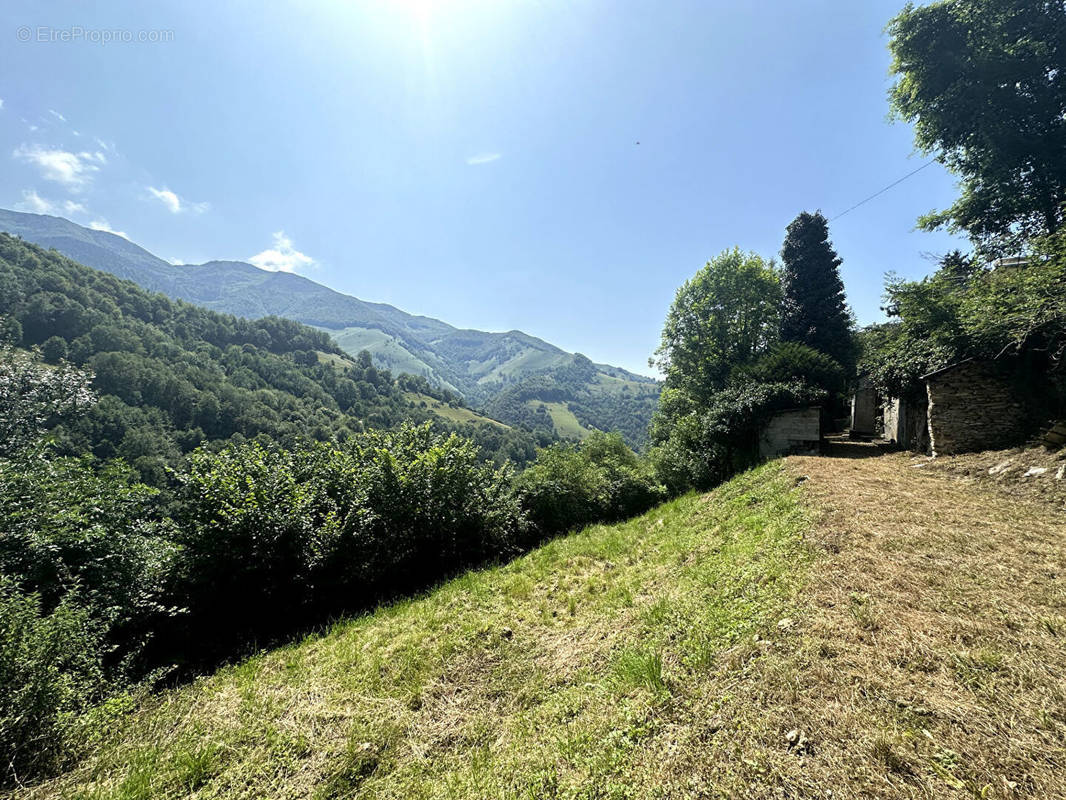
x=814 y=310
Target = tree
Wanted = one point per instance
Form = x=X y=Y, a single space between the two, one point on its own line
x=54 y=349
x=984 y=83
x=33 y=396
x=724 y=316
x=814 y=311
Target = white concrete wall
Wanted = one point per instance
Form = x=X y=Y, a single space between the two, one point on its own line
x=795 y=431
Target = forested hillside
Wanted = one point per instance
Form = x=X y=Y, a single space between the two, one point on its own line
x=478 y=365
x=576 y=398
x=172 y=376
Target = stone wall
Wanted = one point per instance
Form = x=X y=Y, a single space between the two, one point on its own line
x=973 y=407
x=794 y=431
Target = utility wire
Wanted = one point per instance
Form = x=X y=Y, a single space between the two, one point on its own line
x=882 y=191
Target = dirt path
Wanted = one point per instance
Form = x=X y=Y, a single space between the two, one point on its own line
x=931 y=660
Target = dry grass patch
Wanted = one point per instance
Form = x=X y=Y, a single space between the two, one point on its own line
x=829 y=627
x=1025 y=472
x=932 y=661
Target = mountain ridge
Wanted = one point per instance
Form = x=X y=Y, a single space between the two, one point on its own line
x=479 y=365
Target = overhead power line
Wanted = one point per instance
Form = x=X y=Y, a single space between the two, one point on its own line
x=882 y=191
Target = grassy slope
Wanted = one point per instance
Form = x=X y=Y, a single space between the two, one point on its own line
x=566 y=673
x=903 y=638
x=566 y=424
x=462 y=415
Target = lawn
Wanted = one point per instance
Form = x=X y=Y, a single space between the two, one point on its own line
x=566 y=673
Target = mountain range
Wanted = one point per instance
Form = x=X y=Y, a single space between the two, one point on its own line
x=516 y=377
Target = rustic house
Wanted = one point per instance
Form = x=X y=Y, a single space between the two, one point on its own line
x=973 y=406
x=905 y=423
x=795 y=430
x=864 y=410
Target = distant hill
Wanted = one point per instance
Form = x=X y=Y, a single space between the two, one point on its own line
x=171 y=376
x=479 y=365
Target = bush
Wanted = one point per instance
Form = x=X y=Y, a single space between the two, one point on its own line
x=570 y=486
x=65 y=527
x=414 y=506
x=50 y=670
x=699 y=446
x=272 y=538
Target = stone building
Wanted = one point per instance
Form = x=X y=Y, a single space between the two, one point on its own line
x=905 y=423
x=973 y=406
x=796 y=430
x=864 y=410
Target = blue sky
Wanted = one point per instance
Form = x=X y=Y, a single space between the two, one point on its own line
x=473 y=160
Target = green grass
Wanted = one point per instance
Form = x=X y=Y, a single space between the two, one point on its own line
x=566 y=424
x=561 y=674
x=462 y=415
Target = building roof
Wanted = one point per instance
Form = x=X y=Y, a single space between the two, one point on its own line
x=950 y=367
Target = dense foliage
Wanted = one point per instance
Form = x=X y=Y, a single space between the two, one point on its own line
x=814 y=311
x=172 y=376
x=984 y=83
x=1013 y=314
x=599 y=480
x=727 y=370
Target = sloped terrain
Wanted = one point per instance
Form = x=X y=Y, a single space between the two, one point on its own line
x=564 y=673
x=1036 y=471
x=477 y=364
x=845 y=626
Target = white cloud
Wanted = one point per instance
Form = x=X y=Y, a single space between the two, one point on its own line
x=34 y=203
x=174 y=204
x=282 y=257
x=1 y=102
x=73 y=170
x=102 y=225
x=483 y=158
x=57 y=115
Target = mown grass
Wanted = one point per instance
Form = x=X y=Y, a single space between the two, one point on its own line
x=566 y=424
x=562 y=674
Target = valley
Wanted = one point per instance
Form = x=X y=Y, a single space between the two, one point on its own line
x=477 y=365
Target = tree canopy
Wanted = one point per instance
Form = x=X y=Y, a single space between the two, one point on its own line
x=725 y=315
x=814 y=311
x=983 y=83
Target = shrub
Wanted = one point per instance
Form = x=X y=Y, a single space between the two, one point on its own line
x=50 y=670
x=272 y=538
x=246 y=526
x=66 y=527
x=413 y=506
x=570 y=486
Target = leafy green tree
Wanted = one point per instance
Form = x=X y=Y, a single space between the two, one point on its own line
x=33 y=396
x=814 y=310
x=725 y=315
x=1009 y=314
x=54 y=349
x=984 y=83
